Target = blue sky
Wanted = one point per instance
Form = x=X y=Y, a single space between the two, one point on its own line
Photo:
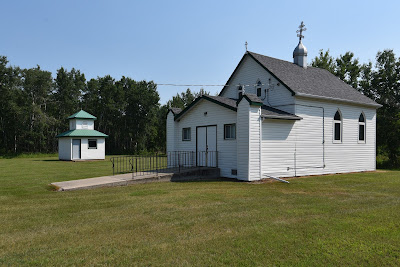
x=187 y=42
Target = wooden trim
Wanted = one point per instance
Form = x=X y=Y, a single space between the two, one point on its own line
x=233 y=73
x=190 y=131
x=250 y=102
x=276 y=77
x=270 y=72
x=231 y=124
x=216 y=139
x=92 y=140
x=206 y=98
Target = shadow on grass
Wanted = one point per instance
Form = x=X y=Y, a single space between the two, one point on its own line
x=27 y=155
x=50 y=187
x=46 y=160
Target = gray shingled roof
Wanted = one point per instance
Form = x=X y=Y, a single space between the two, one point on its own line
x=311 y=81
x=266 y=112
x=227 y=101
x=274 y=113
x=253 y=98
x=176 y=111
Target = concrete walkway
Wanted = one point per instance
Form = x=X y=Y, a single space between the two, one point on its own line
x=126 y=179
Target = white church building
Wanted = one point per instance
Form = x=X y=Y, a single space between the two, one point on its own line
x=278 y=118
x=82 y=141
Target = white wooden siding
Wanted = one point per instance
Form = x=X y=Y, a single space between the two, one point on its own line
x=64 y=148
x=98 y=153
x=249 y=73
x=78 y=124
x=278 y=146
x=282 y=139
x=216 y=115
x=309 y=138
x=170 y=132
x=349 y=155
x=72 y=124
x=243 y=140
x=254 y=143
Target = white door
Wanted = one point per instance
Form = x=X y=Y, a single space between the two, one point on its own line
x=76 y=148
x=207 y=146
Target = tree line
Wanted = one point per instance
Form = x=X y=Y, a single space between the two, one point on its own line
x=34 y=108
x=34 y=105
x=379 y=81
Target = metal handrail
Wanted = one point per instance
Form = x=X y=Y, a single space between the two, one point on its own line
x=172 y=161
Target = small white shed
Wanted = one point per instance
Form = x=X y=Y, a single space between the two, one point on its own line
x=82 y=141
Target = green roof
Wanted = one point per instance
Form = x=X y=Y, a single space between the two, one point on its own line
x=81 y=133
x=82 y=115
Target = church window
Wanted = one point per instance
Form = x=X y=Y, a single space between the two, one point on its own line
x=259 y=84
x=361 y=128
x=240 y=91
x=337 y=127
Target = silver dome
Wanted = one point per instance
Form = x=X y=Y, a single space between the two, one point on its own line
x=300 y=50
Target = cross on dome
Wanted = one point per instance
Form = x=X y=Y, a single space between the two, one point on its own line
x=300 y=31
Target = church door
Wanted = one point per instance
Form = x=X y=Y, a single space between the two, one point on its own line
x=206 y=151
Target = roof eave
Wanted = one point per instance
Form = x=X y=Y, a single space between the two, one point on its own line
x=81 y=118
x=233 y=73
x=376 y=105
x=86 y=136
x=253 y=103
x=256 y=60
x=68 y=134
x=183 y=112
x=276 y=77
x=297 y=118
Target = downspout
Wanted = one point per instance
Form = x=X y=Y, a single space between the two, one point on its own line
x=323 y=135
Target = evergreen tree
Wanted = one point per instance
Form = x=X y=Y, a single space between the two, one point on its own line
x=348 y=69
x=385 y=87
x=324 y=61
x=10 y=110
x=36 y=122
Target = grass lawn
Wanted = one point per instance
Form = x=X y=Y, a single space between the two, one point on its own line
x=351 y=219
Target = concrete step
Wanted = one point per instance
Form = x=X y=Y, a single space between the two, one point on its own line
x=202 y=173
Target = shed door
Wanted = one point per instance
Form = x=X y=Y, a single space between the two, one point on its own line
x=207 y=146
x=76 y=148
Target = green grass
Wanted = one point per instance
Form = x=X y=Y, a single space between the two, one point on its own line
x=351 y=219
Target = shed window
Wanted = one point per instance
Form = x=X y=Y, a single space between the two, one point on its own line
x=84 y=124
x=186 y=134
x=230 y=131
x=361 y=128
x=92 y=143
x=337 y=124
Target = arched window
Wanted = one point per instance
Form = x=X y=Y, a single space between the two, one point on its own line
x=259 y=84
x=361 y=128
x=240 y=91
x=337 y=127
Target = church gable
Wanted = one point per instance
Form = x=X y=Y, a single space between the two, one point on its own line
x=255 y=79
